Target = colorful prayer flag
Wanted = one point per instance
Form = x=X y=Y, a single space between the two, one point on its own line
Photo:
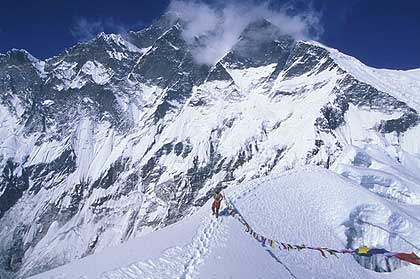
x=411 y=258
x=272 y=244
x=362 y=251
x=322 y=252
x=332 y=252
x=375 y=251
x=300 y=247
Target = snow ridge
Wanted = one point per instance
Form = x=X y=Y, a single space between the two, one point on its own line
x=220 y=247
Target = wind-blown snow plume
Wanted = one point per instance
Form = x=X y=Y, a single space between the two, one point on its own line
x=219 y=26
x=85 y=29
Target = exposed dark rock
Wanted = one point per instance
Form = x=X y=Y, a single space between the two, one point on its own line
x=152 y=171
x=312 y=60
x=260 y=44
x=16 y=250
x=111 y=175
x=60 y=167
x=407 y=120
x=332 y=115
x=76 y=202
x=146 y=37
x=14 y=184
x=364 y=95
x=219 y=73
x=279 y=154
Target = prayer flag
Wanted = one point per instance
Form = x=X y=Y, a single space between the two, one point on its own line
x=411 y=258
x=375 y=251
x=322 y=252
x=272 y=244
x=362 y=251
x=332 y=252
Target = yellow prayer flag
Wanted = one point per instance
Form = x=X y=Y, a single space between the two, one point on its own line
x=362 y=250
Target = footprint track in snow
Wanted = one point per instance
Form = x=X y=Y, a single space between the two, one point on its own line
x=175 y=262
x=183 y=262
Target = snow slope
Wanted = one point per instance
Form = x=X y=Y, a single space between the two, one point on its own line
x=404 y=85
x=309 y=205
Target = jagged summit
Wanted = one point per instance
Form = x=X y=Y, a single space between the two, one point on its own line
x=146 y=37
x=260 y=44
x=123 y=135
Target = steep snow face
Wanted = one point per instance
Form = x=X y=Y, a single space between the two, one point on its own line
x=404 y=85
x=122 y=136
x=311 y=206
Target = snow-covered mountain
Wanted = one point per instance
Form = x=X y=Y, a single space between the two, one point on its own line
x=124 y=135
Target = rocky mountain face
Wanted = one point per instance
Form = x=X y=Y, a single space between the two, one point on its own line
x=123 y=135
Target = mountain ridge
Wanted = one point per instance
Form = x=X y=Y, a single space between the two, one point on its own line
x=113 y=141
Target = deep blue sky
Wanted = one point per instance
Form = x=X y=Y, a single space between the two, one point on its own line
x=381 y=33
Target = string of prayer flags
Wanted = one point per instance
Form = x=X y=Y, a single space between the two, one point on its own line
x=363 y=251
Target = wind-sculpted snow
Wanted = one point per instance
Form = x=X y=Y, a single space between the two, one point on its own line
x=124 y=135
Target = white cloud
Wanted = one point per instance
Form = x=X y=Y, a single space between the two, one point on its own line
x=221 y=25
x=85 y=29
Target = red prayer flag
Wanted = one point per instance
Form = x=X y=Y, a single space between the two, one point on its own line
x=322 y=252
x=411 y=258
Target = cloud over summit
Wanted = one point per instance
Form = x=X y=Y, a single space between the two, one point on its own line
x=85 y=29
x=219 y=26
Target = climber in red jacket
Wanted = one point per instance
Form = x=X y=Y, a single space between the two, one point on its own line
x=218 y=197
